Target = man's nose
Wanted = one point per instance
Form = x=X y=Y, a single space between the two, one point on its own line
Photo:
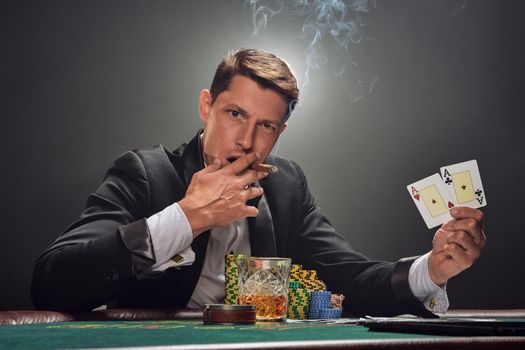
x=246 y=136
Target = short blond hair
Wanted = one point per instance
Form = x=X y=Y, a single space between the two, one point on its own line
x=265 y=68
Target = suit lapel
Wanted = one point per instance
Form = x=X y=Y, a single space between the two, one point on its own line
x=262 y=238
x=192 y=158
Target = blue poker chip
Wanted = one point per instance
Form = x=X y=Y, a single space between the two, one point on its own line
x=320 y=300
x=321 y=292
x=329 y=313
x=313 y=315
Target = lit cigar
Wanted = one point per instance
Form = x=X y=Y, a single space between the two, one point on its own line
x=267 y=168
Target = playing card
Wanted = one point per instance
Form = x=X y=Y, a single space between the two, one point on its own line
x=432 y=199
x=464 y=184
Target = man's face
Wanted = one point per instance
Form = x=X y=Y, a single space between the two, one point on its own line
x=245 y=118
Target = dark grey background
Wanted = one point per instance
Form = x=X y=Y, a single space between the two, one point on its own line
x=85 y=81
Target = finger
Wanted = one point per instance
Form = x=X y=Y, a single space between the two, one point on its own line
x=472 y=227
x=250 y=176
x=440 y=238
x=250 y=211
x=252 y=192
x=214 y=166
x=447 y=226
x=459 y=256
x=242 y=163
x=466 y=212
x=465 y=241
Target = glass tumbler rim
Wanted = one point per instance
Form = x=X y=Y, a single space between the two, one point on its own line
x=273 y=258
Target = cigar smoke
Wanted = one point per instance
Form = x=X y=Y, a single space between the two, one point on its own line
x=336 y=21
x=337 y=27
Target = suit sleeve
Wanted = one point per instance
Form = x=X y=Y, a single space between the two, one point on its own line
x=91 y=261
x=370 y=287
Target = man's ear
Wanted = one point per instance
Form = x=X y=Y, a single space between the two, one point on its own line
x=204 y=105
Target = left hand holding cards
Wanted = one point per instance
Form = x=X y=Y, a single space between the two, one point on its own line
x=459 y=241
x=456 y=245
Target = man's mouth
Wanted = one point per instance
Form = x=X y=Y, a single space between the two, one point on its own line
x=232 y=159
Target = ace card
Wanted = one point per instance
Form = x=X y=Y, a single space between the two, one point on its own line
x=464 y=184
x=432 y=199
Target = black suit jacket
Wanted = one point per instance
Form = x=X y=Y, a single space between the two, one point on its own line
x=100 y=257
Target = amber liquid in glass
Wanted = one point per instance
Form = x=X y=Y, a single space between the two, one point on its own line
x=267 y=307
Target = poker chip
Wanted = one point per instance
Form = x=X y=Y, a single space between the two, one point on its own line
x=295 y=273
x=294 y=285
x=329 y=313
x=308 y=274
x=298 y=301
x=307 y=278
x=303 y=302
x=316 y=285
x=319 y=300
x=337 y=301
x=231 y=278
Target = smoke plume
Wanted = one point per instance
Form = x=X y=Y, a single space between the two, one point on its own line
x=327 y=23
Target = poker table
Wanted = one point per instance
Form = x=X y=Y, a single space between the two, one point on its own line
x=184 y=329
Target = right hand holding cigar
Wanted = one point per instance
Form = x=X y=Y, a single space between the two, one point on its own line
x=217 y=194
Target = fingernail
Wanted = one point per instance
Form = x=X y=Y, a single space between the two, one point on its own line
x=454 y=211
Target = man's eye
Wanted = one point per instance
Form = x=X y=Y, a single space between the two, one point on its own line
x=234 y=114
x=269 y=127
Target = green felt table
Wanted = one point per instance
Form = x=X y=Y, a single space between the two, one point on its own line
x=178 y=334
x=78 y=335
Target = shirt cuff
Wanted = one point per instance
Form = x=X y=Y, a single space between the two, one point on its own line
x=171 y=238
x=432 y=296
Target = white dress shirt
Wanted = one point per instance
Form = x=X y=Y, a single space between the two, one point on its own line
x=171 y=236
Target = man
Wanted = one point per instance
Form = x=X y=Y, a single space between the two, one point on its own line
x=155 y=232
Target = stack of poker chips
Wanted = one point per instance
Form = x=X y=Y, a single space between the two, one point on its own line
x=298 y=300
x=231 y=278
x=323 y=307
x=308 y=297
x=337 y=301
x=319 y=301
x=295 y=272
x=307 y=278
